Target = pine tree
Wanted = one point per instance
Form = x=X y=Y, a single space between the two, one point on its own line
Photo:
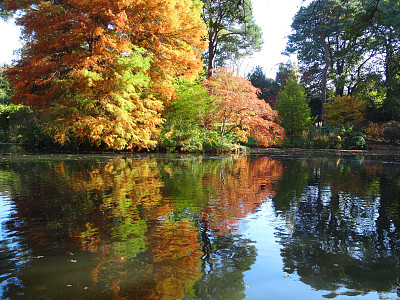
x=293 y=108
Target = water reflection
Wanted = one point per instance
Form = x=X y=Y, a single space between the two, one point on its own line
x=131 y=227
x=343 y=225
x=144 y=227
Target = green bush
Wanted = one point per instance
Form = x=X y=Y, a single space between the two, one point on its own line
x=21 y=124
x=185 y=129
x=352 y=139
x=292 y=143
x=328 y=137
x=196 y=139
x=326 y=142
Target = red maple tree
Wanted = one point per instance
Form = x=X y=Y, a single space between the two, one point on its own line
x=240 y=111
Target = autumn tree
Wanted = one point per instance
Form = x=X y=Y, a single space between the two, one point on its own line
x=344 y=110
x=293 y=108
x=232 y=31
x=100 y=70
x=240 y=111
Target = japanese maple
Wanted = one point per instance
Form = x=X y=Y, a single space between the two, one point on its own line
x=240 y=111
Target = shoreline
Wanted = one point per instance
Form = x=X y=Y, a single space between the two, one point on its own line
x=387 y=155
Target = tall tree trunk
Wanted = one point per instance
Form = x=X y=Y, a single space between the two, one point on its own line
x=325 y=72
x=210 y=59
x=389 y=72
x=212 y=40
x=340 y=80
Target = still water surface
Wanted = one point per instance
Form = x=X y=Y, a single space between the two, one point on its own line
x=195 y=227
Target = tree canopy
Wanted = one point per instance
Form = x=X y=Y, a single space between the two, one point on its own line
x=232 y=31
x=349 y=47
x=101 y=70
x=269 y=88
x=240 y=111
x=5 y=87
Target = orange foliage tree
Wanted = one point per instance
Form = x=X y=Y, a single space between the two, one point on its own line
x=100 y=70
x=240 y=111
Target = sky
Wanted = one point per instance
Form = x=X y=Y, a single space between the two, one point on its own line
x=275 y=19
x=273 y=16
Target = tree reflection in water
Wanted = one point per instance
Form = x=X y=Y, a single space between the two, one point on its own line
x=342 y=231
x=132 y=227
x=155 y=228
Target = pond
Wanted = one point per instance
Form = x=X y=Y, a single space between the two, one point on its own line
x=153 y=226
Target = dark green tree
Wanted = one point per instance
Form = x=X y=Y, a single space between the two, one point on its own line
x=269 y=88
x=387 y=35
x=293 y=108
x=232 y=31
x=285 y=72
x=328 y=46
x=5 y=87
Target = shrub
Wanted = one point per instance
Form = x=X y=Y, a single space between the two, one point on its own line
x=352 y=139
x=328 y=137
x=391 y=131
x=344 y=110
x=196 y=139
x=21 y=124
x=184 y=129
x=374 y=132
x=326 y=142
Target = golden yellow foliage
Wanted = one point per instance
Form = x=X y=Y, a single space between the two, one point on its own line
x=100 y=70
x=374 y=131
x=344 y=110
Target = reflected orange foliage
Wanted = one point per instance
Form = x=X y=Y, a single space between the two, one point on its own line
x=240 y=190
x=134 y=239
x=131 y=192
x=176 y=254
x=174 y=240
x=124 y=183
